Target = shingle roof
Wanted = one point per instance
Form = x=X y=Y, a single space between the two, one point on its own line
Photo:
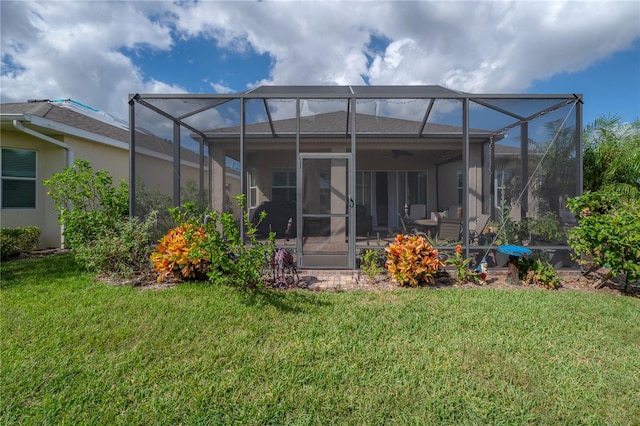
x=67 y=116
x=339 y=123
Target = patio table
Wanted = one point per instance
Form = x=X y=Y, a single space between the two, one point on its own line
x=514 y=253
x=429 y=224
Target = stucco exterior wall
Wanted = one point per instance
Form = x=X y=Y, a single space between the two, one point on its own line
x=157 y=172
x=49 y=159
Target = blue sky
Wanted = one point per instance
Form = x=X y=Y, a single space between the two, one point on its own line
x=610 y=86
x=57 y=50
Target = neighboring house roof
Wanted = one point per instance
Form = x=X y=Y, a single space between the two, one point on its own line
x=55 y=118
x=59 y=113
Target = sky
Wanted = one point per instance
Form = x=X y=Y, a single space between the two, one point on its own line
x=99 y=52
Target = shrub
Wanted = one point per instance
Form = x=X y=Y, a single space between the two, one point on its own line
x=178 y=253
x=123 y=251
x=199 y=247
x=412 y=260
x=235 y=261
x=546 y=229
x=89 y=204
x=213 y=250
x=463 y=273
x=370 y=263
x=250 y=259
x=18 y=241
x=153 y=200
x=541 y=274
x=608 y=231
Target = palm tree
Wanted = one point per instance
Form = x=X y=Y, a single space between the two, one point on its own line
x=612 y=156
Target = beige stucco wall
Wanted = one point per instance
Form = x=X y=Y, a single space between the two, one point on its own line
x=49 y=159
x=156 y=172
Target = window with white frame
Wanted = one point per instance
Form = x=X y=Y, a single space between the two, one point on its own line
x=18 y=178
x=283 y=185
x=253 y=189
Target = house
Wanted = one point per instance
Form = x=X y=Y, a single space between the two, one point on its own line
x=343 y=164
x=39 y=138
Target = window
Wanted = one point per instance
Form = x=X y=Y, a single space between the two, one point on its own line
x=417 y=187
x=363 y=189
x=283 y=185
x=18 y=178
x=253 y=189
x=411 y=188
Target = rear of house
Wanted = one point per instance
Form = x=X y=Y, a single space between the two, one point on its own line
x=340 y=166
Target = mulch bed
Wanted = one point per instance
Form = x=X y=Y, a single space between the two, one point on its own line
x=572 y=280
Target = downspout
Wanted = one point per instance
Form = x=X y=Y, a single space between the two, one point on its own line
x=69 y=157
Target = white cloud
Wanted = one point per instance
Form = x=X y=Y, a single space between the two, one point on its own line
x=221 y=88
x=72 y=50
x=79 y=50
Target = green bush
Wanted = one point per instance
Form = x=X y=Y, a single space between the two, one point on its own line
x=94 y=213
x=372 y=262
x=464 y=274
x=122 y=251
x=89 y=204
x=608 y=231
x=539 y=273
x=211 y=245
x=18 y=241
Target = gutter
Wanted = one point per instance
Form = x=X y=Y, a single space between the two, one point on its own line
x=69 y=157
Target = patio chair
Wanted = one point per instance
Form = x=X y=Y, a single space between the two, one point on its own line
x=448 y=229
x=408 y=227
x=476 y=228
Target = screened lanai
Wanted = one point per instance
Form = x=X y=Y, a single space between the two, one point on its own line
x=338 y=169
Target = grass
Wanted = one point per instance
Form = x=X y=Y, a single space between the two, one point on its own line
x=74 y=351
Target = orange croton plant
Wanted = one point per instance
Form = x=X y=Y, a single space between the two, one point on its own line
x=176 y=253
x=411 y=260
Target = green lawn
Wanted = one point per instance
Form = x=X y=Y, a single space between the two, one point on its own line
x=74 y=351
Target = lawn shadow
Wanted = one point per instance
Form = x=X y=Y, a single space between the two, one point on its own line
x=16 y=271
x=296 y=302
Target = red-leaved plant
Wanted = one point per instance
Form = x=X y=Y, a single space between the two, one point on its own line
x=177 y=254
x=411 y=260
